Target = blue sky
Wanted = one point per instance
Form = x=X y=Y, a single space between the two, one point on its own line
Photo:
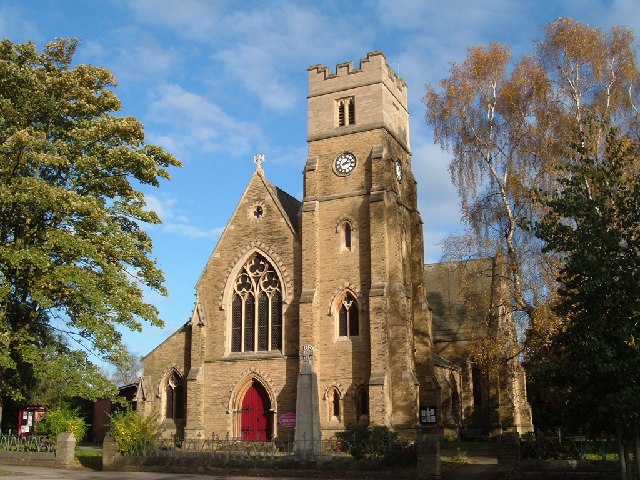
x=215 y=82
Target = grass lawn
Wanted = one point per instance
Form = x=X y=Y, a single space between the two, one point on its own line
x=5 y=472
x=89 y=457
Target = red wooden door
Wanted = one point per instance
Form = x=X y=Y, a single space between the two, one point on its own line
x=256 y=415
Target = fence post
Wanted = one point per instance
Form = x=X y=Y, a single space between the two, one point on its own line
x=65 y=450
x=109 y=452
x=428 y=457
x=508 y=453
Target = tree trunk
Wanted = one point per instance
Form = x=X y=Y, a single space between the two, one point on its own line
x=621 y=455
x=636 y=451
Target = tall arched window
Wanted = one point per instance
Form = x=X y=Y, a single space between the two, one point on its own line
x=362 y=402
x=334 y=404
x=174 y=397
x=348 y=321
x=256 y=308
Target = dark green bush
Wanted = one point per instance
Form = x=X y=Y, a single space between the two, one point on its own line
x=376 y=443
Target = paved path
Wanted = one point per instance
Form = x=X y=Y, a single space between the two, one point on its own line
x=24 y=472
x=480 y=466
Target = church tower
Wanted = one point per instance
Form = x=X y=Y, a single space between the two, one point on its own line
x=362 y=248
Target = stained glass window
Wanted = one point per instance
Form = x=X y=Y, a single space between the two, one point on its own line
x=263 y=322
x=276 y=321
x=256 y=326
x=236 y=323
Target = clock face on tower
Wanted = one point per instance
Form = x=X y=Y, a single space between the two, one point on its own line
x=345 y=163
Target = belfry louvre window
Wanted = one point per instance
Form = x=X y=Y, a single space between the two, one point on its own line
x=256 y=308
x=348 y=322
x=346 y=111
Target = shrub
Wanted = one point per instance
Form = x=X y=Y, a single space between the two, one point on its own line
x=134 y=434
x=63 y=419
x=376 y=443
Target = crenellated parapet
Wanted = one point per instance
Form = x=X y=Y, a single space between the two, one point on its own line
x=373 y=68
x=354 y=100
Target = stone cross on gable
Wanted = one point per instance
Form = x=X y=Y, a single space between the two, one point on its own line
x=258 y=159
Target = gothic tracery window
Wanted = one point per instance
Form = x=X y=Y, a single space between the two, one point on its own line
x=256 y=308
x=348 y=321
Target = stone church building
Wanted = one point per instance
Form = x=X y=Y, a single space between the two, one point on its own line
x=340 y=273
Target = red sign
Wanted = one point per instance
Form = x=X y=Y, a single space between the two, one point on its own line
x=287 y=420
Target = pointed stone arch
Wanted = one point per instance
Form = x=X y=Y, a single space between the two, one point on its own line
x=242 y=256
x=345 y=309
x=255 y=319
x=339 y=292
x=333 y=397
x=236 y=396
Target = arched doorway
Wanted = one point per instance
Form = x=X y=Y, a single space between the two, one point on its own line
x=256 y=414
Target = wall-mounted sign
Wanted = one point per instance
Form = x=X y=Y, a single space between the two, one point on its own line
x=427 y=415
x=287 y=420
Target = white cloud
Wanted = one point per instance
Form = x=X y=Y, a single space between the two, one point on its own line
x=134 y=55
x=174 y=222
x=194 y=122
x=262 y=47
x=193 y=19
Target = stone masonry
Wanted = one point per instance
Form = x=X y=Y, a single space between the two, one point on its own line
x=342 y=270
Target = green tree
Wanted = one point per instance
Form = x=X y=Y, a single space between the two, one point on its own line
x=593 y=222
x=74 y=258
x=507 y=122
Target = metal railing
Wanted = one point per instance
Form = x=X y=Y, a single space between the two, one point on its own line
x=236 y=449
x=559 y=446
x=26 y=443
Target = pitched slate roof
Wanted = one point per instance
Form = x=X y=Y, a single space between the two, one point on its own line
x=290 y=205
x=455 y=317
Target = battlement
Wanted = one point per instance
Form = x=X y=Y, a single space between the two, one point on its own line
x=373 y=69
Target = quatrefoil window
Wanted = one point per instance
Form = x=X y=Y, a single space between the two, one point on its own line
x=256 y=212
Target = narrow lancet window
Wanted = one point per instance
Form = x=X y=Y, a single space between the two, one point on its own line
x=347 y=236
